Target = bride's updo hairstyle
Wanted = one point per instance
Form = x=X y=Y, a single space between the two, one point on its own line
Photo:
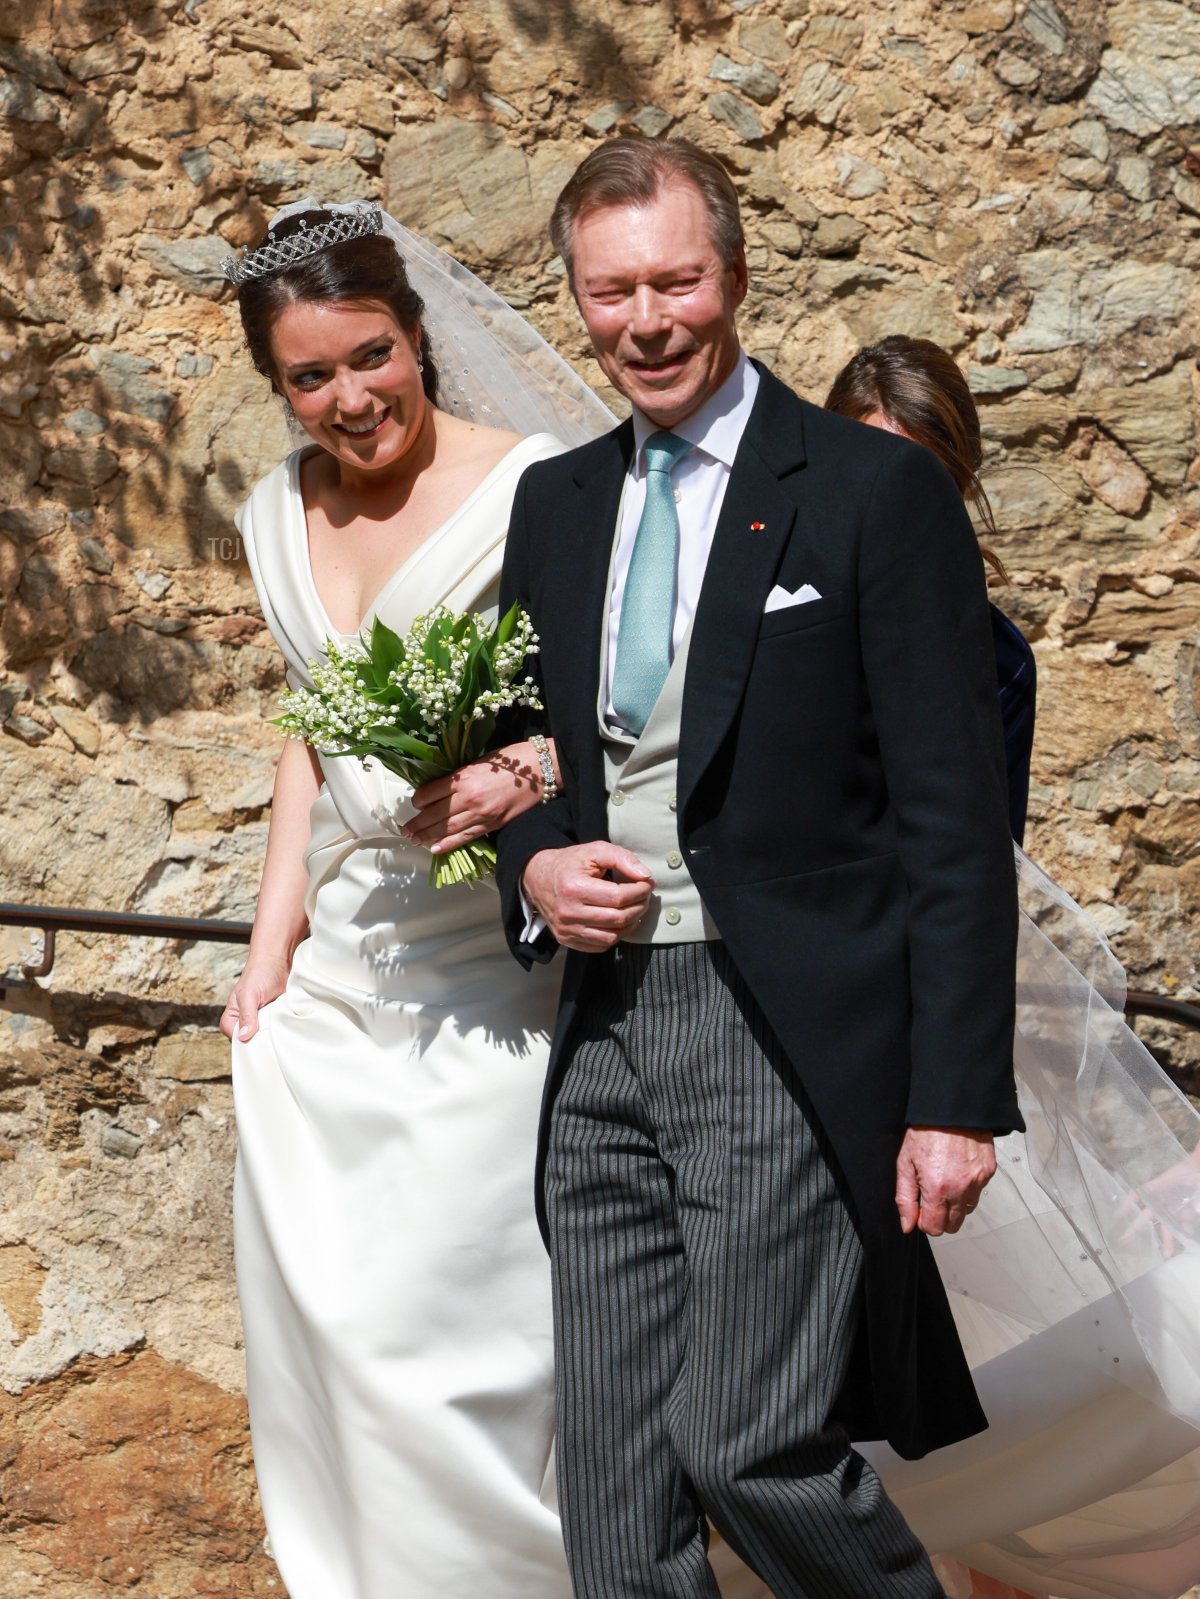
x=921 y=391
x=366 y=268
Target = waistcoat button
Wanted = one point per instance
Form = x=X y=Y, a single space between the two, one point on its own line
x=618 y=797
x=674 y=858
x=674 y=916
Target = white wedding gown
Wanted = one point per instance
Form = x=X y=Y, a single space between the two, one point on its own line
x=394 y=1289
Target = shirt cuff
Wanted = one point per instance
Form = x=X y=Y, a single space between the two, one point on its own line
x=535 y=922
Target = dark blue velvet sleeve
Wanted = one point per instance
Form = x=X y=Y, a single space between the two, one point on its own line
x=1016 y=674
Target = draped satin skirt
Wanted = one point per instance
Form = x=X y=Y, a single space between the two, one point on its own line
x=394 y=1289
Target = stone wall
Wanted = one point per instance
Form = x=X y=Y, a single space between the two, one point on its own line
x=1015 y=180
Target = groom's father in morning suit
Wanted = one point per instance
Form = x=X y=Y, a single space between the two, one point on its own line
x=782 y=866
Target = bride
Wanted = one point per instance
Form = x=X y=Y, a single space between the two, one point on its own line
x=388 y=1065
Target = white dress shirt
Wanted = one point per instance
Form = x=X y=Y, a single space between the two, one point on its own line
x=700 y=479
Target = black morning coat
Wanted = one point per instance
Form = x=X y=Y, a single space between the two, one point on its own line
x=841 y=807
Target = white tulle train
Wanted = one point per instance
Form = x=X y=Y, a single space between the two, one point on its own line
x=1076 y=1287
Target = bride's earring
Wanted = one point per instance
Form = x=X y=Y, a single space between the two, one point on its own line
x=289 y=416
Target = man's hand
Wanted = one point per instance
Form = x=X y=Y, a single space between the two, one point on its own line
x=940 y=1174
x=582 y=907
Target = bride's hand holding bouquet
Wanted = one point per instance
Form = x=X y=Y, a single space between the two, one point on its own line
x=425 y=707
x=478 y=798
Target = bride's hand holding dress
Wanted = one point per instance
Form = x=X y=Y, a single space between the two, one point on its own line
x=478 y=799
x=279 y=919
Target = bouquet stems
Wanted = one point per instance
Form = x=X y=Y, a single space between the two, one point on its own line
x=466 y=864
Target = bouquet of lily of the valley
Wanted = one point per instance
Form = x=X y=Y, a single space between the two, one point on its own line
x=422 y=705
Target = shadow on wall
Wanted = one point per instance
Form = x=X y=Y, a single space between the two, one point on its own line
x=144 y=147
x=122 y=468
x=495 y=186
x=592 y=47
x=594 y=55
x=73 y=1080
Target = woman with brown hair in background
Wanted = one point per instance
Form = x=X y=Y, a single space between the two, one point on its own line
x=915 y=388
x=1076 y=1284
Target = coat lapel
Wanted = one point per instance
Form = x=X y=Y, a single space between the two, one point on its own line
x=751 y=535
x=599 y=477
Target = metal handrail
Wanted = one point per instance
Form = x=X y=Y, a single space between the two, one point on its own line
x=137 y=924
x=52 y=919
x=1140 y=1003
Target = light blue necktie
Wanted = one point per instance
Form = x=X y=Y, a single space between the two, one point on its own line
x=648 y=604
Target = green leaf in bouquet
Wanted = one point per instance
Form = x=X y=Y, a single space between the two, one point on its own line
x=386 y=648
x=487 y=677
x=367 y=750
x=451 y=738
x=377 y=666
x=481 y=647
x=479 y=736
x=507 y=624
x=464 y=628
x=408 y=743
x=408 y=717
x=414 y=772
x=469 y=688
x=433 y=646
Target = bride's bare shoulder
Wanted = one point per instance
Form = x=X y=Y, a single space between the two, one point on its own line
x=470 y=442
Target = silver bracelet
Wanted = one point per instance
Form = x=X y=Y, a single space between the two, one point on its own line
x=549 y=781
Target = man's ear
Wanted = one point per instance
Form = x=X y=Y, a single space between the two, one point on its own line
x=741 y=276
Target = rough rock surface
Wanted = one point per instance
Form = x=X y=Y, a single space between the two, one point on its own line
x=1015 y=178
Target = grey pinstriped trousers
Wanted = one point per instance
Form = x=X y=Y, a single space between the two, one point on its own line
x=706 y=1277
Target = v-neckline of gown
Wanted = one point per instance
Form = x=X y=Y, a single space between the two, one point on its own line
x=410 y=561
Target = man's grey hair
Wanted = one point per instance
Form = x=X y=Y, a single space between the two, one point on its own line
x=630 y=170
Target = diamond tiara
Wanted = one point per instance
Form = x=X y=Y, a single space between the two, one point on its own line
x=273 y=255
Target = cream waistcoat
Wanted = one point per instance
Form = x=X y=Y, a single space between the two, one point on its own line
x=640 y=776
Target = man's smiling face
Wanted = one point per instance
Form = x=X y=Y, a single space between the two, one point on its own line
x=658 y=301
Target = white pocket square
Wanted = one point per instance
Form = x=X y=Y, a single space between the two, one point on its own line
x=779 y=599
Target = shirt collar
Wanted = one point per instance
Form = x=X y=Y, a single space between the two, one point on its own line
x=717 y=426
